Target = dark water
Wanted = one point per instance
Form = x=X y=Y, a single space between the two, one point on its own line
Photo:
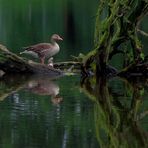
x=66 y=112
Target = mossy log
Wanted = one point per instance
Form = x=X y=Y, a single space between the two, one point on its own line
x=11 y=63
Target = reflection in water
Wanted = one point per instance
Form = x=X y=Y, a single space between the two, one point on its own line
x=1 y=73
x=117 y=124
x=45 y=86
x=29 y=119
x=38 y=85
x=119 y=117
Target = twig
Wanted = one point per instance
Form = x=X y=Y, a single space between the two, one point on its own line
x=142 y=32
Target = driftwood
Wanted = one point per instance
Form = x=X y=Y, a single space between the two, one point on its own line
x=11 y=63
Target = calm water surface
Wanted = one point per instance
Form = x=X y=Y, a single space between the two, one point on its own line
x=67 y=112
x=61 y=113
x=34 y=117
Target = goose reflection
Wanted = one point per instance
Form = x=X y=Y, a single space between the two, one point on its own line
x=45 y=87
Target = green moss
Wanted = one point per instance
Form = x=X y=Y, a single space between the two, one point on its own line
x=116 y=28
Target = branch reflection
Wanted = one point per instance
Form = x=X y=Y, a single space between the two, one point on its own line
x=117 y=123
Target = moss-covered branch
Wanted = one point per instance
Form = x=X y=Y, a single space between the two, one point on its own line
x=116 y=24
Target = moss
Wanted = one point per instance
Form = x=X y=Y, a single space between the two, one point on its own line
x=115 y=28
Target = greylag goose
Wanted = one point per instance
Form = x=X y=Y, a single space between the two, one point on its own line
x=44 y=50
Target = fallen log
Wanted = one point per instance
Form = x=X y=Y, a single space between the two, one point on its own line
x=11 y=63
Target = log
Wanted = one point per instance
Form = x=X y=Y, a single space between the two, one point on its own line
x=11 y=63
x=69 y=66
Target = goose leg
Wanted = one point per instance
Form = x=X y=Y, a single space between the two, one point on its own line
x=42 y=59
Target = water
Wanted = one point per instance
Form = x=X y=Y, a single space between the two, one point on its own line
x=66 y=112
x=43 y=112
x=34 y=117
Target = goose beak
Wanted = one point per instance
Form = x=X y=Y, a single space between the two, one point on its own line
x=60 y=39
